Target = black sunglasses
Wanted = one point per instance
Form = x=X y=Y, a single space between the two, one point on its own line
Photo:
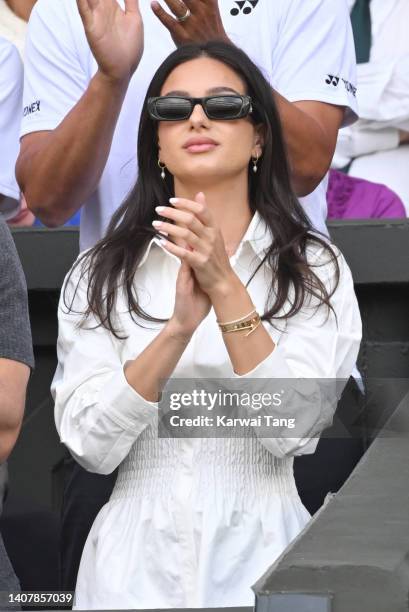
x=177 y=108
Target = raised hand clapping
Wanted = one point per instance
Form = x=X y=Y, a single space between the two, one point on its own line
x=193 y=21
x=115 y=36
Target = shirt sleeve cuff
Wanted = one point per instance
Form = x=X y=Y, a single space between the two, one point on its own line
x=124 y=405
x=273 y=366
x=348 y=102
x=40 y=125
x=370 y=141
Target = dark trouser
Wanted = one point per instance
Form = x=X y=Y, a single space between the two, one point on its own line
x=84 y=495
x=326 y=470
x=335 y=457
x=8 y=579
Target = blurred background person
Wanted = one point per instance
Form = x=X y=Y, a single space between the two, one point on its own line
x=349 y=197
x=14 y=15
x=376 y=148
x=16 y=359
x=11 y=92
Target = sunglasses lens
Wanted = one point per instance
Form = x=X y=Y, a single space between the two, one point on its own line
x=172 y=109
x=224 y=107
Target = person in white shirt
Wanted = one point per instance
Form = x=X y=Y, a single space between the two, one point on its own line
x=84 y=89
x=11 y=92
x=14 y=15
x=376 y=148
x=88 y=65
x=177 y=291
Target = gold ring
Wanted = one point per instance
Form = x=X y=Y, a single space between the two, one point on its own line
x=185 y=16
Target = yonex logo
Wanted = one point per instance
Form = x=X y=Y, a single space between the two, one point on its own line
x=332 y=80
x=349 y=87
x=243 y=6
x=32 y=108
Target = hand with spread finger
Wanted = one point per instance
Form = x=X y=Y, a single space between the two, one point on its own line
x=203 y=249
x=192 y=21
x=114 y=35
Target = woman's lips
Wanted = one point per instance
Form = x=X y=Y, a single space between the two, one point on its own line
x=200 y=145
x=200 y=148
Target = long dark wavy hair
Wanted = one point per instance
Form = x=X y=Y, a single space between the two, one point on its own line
x=111 y=264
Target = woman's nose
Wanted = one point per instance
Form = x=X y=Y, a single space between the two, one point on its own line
x=198 y=115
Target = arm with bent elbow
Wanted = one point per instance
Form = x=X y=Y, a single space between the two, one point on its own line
x=13 y=383
x=312 y=362
x=310 y=130
x=79 y=145
x=103 y=402
x=384 y=111
x=80 y=161
x=16 y=351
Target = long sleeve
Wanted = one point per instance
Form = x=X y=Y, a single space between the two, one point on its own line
x=318 y=346
x=97 y=413
x=383 y=97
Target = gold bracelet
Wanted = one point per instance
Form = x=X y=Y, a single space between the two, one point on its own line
x=237 y=320
x=250 y=324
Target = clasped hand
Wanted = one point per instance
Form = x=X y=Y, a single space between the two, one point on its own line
x=203 y=245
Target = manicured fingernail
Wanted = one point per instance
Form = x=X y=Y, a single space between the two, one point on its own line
x=156 y=223
x=160 y=208
x=163 y=241
x=173 y=200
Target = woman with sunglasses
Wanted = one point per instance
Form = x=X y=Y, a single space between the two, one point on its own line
x=209 y=270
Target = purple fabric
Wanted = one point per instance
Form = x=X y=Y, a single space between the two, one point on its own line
x=353 y=198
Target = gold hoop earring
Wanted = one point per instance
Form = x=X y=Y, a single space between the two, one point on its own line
x=162 y=167
x=255 y=161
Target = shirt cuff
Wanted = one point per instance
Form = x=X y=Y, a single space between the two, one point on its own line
x=30 y=125
x=364 y=142
x=124 y=405
x=273 y=366
x=337 y=99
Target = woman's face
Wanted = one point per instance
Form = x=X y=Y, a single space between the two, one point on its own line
x=227 y=146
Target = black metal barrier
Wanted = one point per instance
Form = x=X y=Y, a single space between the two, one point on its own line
x=378 y=253
x=354 y=554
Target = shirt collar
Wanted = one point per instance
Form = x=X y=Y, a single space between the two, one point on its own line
x=154 y=241
x=257 y=235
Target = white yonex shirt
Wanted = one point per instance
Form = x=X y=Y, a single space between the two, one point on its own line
x=11 y=91
x=305 y=49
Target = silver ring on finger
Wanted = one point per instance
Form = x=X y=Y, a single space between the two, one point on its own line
x=185 y=16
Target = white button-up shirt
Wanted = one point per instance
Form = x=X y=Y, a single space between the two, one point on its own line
x=191 y=522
